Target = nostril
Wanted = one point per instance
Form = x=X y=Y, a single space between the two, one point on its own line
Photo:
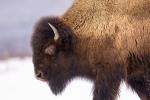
x=39 y=74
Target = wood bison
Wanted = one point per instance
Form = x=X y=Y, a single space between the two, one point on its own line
x=106 y=41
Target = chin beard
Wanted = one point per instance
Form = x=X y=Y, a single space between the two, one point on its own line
x=57 y=85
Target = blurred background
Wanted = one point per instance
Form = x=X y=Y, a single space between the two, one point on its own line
x=17 y=18
x=17 y=81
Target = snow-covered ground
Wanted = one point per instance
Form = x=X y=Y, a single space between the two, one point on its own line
x=17 y=82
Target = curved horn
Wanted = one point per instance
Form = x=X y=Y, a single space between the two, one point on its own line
x=56 y=37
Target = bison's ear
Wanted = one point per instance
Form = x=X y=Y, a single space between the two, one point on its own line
x=50 y=50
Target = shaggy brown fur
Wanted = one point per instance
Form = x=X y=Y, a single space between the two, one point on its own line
x=106 y=41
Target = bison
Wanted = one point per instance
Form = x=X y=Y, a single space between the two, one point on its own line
x=105 y=41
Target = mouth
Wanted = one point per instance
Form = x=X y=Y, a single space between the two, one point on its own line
x=42 y=79
x=53 y=87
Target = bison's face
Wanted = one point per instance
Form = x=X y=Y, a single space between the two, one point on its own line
x=54 y=69
x=52 y=54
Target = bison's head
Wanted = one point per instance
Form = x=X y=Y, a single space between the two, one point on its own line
x=52 y=53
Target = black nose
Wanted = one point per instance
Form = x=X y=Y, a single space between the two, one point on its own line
x=39 y=74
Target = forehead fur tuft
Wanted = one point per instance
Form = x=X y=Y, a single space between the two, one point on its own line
x=43 y=34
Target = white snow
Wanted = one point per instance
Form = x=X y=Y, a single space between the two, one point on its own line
x=17 y=82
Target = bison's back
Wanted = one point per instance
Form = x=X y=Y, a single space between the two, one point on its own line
x=105 y=32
